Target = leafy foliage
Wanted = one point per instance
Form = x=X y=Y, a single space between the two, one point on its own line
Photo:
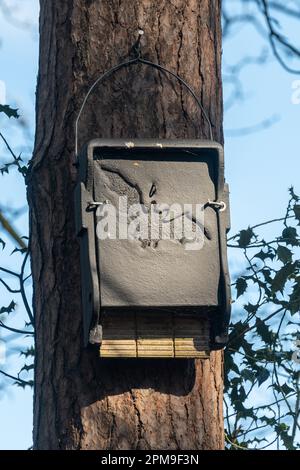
x=259 y=357
x=10 y=112
x=8 y=309
x=16 y=285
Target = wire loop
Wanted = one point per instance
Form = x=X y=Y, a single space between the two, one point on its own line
x=139 y=60
x=217 y=205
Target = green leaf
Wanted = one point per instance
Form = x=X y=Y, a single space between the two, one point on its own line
x=262 y=376
x=267 y=275
x=19 y=250
x=29 y=352
x=290 y=236
x=282 y=276
x=24 y=384
x=282 y=430
x=27 y=368
x=245 y=237
x=286 y=390
x=23 y=170
x=294 y=301
x=250 y=308
x=293 y=195
x=230 y=366
x=236 y=333
x=270 y=421
x=284 y=254
x=10 y=112
x=241 y=286
x=242 y=394
x=8 y=309
x=238 y=404
x=265 y=255
x=264 y=331
x=248 y=375
x=296 y=210
x=282 y=427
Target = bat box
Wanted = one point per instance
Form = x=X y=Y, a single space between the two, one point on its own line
x=152 y=218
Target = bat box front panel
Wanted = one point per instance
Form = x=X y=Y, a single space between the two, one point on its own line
x=157 y=272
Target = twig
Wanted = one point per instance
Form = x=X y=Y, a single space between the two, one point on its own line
x=14 y=330
x=12 y=232
x=8 y=271
x=12 y=291
x=297 y=410
x=233 y=444
x=281 y=219
x=17 y=379
x=274 y=36
x=23 y=293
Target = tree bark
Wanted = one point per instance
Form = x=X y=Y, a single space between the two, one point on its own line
x=81 y=401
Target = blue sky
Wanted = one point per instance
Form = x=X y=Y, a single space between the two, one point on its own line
x=259 y=167
x=18 y=69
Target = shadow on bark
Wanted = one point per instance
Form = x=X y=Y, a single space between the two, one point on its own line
x=124 y=375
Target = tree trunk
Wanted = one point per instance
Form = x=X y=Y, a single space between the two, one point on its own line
x=81 y=401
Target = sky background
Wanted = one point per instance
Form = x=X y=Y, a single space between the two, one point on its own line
x=259 y=167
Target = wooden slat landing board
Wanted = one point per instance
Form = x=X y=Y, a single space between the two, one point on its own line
x=153 y=335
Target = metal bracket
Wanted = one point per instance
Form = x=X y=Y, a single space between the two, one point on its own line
x=221 y=206
x=94 y=205
x=96 y=335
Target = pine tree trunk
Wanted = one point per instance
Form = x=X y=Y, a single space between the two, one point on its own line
x=80 y=401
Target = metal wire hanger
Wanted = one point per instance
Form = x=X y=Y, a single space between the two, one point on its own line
x=138 y=59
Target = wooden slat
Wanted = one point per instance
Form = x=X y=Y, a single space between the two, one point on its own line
x=155 y=335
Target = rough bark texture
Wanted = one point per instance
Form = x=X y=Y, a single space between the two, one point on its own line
x=82 y=402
